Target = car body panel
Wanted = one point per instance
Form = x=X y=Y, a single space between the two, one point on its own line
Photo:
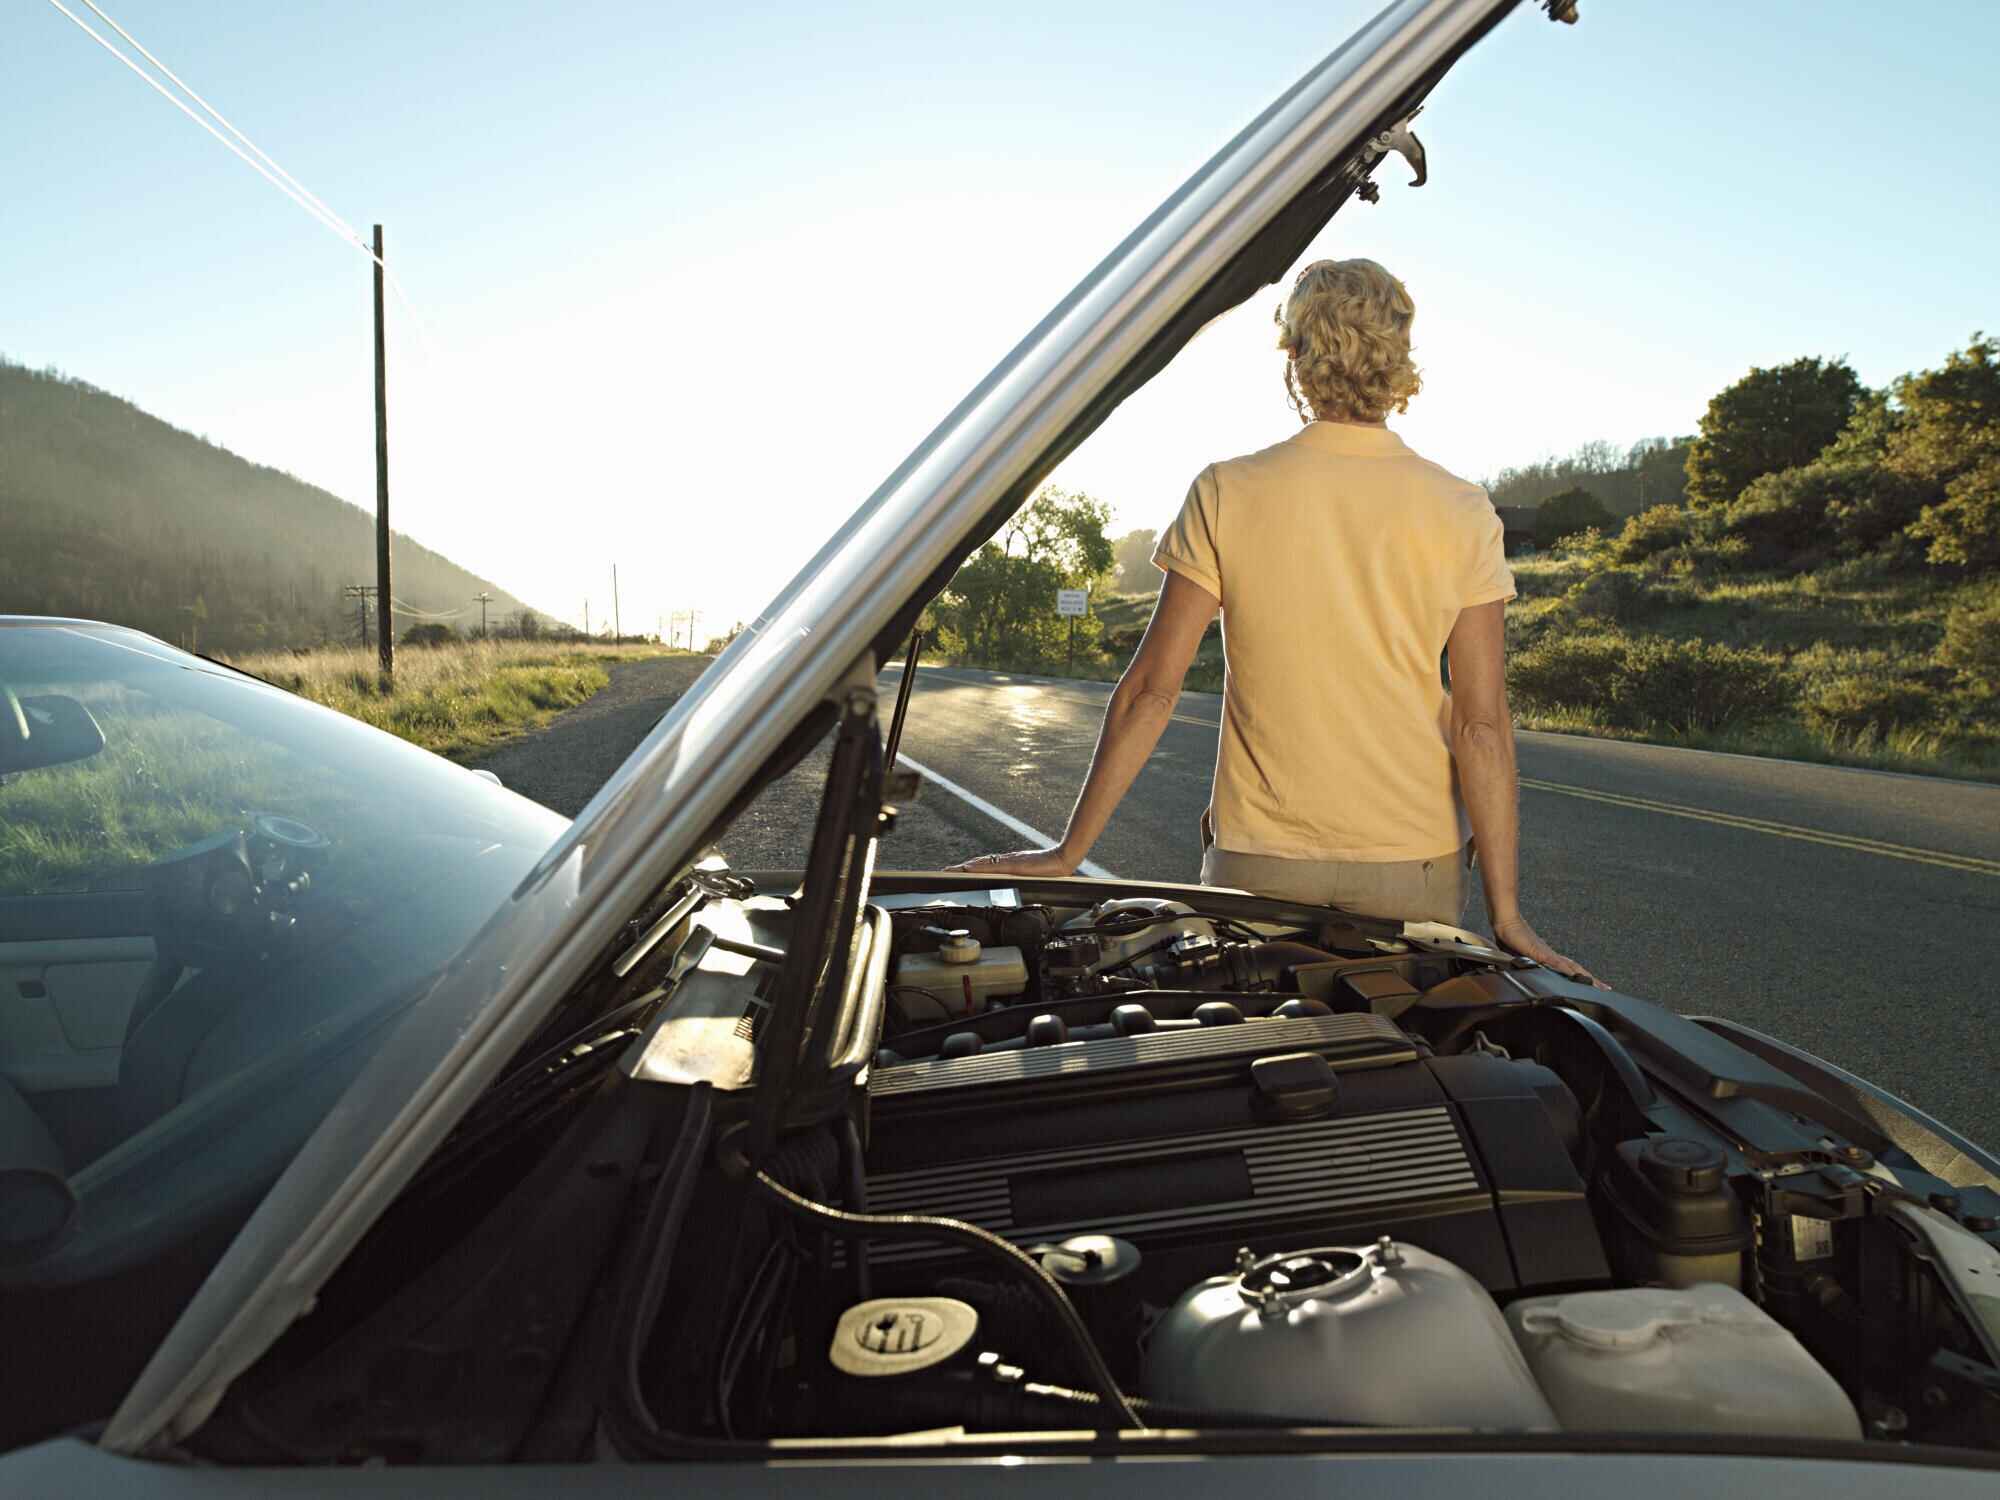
x=1639 y=1473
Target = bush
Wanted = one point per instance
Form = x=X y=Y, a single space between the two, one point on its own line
x=1646 y=682
x=1587 y=543
x=1781 y=518
x=1564 y=515
x=1651 y=532
x=1617 y=595
x=1964 y=528
x=1972 y=644
x=1866 y=704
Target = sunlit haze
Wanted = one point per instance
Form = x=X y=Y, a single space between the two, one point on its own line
x=692 y=279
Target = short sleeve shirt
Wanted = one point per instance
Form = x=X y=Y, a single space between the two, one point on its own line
x=1342 y=560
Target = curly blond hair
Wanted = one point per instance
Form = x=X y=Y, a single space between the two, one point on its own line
x=1346 y=328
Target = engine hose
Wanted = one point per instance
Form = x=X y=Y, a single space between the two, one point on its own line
x=971 y=1237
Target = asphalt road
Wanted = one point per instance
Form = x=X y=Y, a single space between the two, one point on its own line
x=1848 y=912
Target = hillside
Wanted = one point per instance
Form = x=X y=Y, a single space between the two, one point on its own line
x=112 y=514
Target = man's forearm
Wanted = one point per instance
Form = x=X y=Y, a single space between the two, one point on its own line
x=1133 y=720
x=1490 y=785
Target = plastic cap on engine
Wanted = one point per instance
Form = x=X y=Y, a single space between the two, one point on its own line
x=1300 y=1008
x=1679 y=1165
x=961 y=1044
x=1131 y=1020
x=1217 y=1013
x=1047 y=1031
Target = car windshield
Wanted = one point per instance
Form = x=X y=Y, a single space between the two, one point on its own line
x=216 y=900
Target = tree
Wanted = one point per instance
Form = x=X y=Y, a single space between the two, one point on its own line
x=1949 y=440
x=1133 y=557
x=1566 y=514
x=1771 y=419
x=430 y=633
x=1000 y=609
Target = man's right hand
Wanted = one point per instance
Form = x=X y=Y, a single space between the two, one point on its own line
x=1516 y=936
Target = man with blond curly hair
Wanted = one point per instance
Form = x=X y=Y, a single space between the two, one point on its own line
x=1343 y=564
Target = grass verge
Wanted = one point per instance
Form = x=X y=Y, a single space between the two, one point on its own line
x=458 y=700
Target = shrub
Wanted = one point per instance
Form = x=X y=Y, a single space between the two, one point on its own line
x=1651 y=532
x=1868 y=704
x=1640 y=682
x=1565 y=514
x=1781 y=517
x=1587 y=543
x=1617 y=595
x=1972 y=644
x=1965 y=527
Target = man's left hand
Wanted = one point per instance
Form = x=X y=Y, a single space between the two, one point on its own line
x=1019 y=862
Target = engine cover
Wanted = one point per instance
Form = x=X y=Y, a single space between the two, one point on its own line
x=1168 y=1139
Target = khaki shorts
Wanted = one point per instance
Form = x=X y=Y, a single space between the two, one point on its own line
x=1409 y=890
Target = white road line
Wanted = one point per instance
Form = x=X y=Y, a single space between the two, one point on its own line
x=1006 y=820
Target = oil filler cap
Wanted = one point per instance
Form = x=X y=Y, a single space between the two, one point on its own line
x=898 y=1335
x=1293 y=1086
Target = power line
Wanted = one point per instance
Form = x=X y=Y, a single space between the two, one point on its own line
x=277 y=178
x=180 y=83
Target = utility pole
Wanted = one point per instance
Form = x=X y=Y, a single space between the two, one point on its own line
x=482 y=596
x=386 y=627
x=586 y=617
x=361 y=593
x=617 y=630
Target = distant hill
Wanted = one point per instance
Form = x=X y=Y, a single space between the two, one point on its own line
x=109 y=513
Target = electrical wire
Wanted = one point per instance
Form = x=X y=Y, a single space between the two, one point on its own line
x=262 y=155
x=277 y=178
x=253 y=155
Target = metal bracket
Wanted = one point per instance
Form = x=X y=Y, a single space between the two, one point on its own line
x=1398 y=138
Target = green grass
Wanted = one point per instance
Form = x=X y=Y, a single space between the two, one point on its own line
x=456 y=700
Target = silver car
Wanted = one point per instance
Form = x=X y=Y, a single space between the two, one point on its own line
x=364 y=1128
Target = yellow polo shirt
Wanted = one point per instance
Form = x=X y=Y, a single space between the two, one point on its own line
x=1342 y=560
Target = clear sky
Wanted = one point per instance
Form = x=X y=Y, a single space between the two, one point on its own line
x=693 y=278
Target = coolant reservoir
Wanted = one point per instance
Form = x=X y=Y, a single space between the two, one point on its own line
x=1389 y=1335
x=961 y=980
x=1703 y=1358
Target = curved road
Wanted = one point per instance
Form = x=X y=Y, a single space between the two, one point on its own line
x=1849 y=912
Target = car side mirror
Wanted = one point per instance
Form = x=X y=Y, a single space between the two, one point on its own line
x=45 y=730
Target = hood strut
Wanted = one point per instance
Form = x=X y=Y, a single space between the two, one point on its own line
x=837 y=871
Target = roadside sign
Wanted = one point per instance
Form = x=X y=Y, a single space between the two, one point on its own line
x=1072 y=601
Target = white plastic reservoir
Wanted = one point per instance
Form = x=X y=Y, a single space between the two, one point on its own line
x=1703 y=1358
x=961 y=981
x=1384 y=1334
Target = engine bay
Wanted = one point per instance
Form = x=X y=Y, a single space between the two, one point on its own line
x=1288 y=1174
x=1234 y=1173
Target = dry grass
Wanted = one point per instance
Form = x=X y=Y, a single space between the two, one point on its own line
x=457 y=700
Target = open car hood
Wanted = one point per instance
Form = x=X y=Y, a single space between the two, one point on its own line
x=1234 y=227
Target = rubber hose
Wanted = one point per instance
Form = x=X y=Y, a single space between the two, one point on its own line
x=927 y=1227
